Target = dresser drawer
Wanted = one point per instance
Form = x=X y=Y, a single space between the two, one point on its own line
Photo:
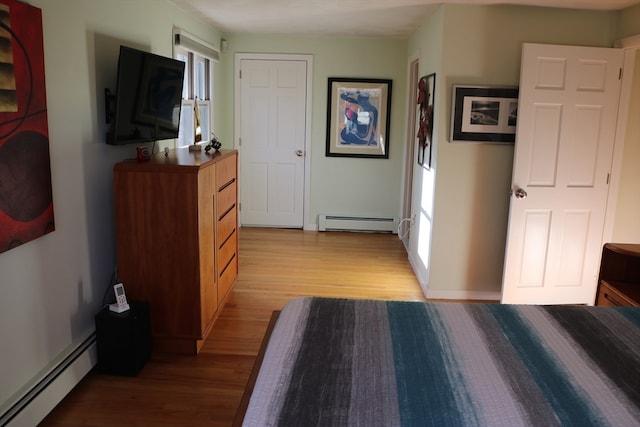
x=227 y=250
x=225 y=171
x=226 y=199
x=226 y=226
x=227 y=278
x=610 y=295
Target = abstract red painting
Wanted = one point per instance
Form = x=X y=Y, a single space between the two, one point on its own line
x=26 y=202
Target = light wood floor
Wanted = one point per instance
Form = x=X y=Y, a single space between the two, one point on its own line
x=275 y=266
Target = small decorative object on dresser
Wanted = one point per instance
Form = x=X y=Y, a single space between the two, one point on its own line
x=619 y=280
x=214 y=144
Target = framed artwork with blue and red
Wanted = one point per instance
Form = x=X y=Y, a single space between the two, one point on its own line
x=26 y=201
x=358 y=112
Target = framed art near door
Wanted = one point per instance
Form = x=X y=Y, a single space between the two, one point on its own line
x=358 y=113
x=424 y=119
x=484 y=114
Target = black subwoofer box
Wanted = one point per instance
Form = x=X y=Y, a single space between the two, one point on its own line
x=123 y=340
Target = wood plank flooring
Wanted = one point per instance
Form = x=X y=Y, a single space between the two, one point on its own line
x=275 y=266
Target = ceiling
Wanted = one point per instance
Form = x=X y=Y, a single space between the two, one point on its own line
x=375 y=18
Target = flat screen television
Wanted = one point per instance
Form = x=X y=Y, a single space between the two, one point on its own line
x=146 y=105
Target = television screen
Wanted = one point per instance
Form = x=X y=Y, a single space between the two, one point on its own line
x=148 y=98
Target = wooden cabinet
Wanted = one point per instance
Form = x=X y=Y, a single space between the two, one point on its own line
x=619 y=280
x=177 y=241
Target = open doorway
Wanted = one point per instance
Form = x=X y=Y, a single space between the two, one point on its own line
x=405 y=224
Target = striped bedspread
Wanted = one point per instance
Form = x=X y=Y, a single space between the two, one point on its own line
x=339 y=362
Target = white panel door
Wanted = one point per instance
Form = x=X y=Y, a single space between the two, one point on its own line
x=272 y=142
x=563 y=154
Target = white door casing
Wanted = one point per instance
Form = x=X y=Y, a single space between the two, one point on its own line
x=562 y=160
x=272 y=136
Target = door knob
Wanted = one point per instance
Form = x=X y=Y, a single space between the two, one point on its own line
x=299 y=153
x=521 y=194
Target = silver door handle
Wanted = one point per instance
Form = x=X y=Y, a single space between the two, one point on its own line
x=520 y=193
x=299 y=153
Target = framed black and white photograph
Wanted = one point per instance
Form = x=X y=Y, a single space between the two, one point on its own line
x=484 y=114
x=358 y=117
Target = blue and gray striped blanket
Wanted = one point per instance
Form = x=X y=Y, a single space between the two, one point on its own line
x=340 y=362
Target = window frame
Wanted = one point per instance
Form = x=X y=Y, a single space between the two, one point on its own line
x=198 y=83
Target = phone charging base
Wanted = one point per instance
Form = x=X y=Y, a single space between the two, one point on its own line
x=118 y=308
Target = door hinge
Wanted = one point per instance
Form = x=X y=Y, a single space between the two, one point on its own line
x=620 y=74
x=608 y=176
x=239 y=74
x=239 y=142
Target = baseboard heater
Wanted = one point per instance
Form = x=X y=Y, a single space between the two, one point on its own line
x=357 y=223
x=36 y=402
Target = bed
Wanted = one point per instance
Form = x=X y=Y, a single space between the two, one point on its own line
x=349 y=362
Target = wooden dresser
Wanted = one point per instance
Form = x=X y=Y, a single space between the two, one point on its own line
x=177 y=241
x=619 y=280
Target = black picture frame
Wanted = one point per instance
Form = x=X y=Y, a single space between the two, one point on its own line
x=425 y=119
x=358 y=114
x=484 y=114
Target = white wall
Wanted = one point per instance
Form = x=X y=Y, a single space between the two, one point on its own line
x=53 y=286
x=628 y=22
x=344 y=185
x=627 y=219
x=481 y=46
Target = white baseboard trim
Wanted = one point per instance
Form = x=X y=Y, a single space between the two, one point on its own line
x=450 y=294
x=310 y=227
x=462 y=294
x=422 y=280
x=34 y=405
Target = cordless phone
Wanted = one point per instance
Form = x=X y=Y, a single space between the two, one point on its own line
x=121 y=304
